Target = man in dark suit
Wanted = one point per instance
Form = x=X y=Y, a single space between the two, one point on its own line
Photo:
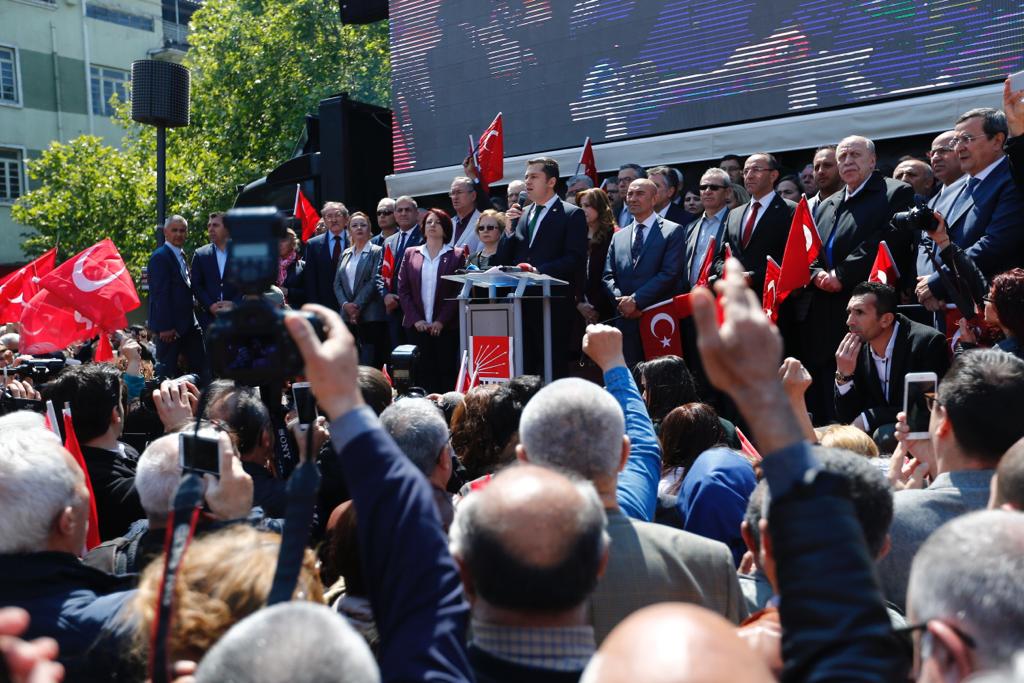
x=667 y=182
x=408 y=235
x=551 y=238
x=852 y=223
x=171 y=305
x=987 y=223
x=209 y=264
x=758 y=229
x=880 y=349
x=643 y=265
x=323 y=253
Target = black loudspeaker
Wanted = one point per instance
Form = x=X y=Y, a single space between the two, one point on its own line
x=362 y=11
x=160 y=92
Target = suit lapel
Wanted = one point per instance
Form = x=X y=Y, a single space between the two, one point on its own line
x=874 y=381
x=898 y=364
x=654 y=233
x=555 y=209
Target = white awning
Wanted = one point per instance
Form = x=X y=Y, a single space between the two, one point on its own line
x=911 y=116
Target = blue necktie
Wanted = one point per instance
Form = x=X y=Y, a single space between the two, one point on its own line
x=638 y=242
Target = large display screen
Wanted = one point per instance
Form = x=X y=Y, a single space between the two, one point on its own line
x=561 y=70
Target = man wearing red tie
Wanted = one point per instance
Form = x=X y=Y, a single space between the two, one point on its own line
x=323 y=253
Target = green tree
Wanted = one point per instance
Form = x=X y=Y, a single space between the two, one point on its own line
x=257 y=67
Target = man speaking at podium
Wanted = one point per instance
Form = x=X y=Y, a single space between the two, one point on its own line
x=550 y=238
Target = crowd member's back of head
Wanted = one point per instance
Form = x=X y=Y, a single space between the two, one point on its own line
x=297 y=642
x=94 y=391
x=967 y=596
x=244 y=413
x=1008 y=482
x=848 y=437
x=675 y=643
x=1007 y=295
x=41 y=489
x=576 y=426
x=375 y=388
x=982 y=397
x=223 y=577
x=484 y=427
x=665 y=383
x=686 y=432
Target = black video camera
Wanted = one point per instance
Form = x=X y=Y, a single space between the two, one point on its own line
x=918 y=217
x=249 y=343
x=39 y=370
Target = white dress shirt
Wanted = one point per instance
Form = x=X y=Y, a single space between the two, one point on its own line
x=764 y=202
x=543 y=209
x=222 y=259
x=428 y=279
x=469 y=236
x=846 y=190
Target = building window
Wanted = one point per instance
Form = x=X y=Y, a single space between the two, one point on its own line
x=11 y=183
x=9 y=86
x=106 y=82
x=115 y=16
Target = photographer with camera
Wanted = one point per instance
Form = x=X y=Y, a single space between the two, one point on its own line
x=986 y=222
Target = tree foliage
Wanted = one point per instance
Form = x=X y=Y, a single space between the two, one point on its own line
x=257 y=67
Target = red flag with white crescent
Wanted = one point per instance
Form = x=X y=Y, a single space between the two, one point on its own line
x=659 y=330
x=490 y=153
x=387 y=266
x=18 y=288
x=49 y=324
x=587 y=162
x=770 y=297
x=95 y=283
x=802 y=246
x=705 y=269
x=92 y=538
x=884 y=269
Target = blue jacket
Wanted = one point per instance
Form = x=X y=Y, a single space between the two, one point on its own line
x=171 y=302
x=208 y=285
x=637 y=491
x=411 y=578
x=713 y=498
x=76 y=605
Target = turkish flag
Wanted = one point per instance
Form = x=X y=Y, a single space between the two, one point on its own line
x=92 y=538
x=705 y=269
x=659 y=329
x=490 y=358
x=884 y=269
x=490 y=154
x=728 y=252
x=49 y=324
x=103 y=352
x=747 y=449
x=305 y=212
x=387 y=266
x=802 y=247
x=770 y=297
x=588 y=163
x=96 y=283
x=19 y=287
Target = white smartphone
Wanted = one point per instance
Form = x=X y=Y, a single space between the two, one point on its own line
x=1017 y=81
x=918 y=390
x=305 y=404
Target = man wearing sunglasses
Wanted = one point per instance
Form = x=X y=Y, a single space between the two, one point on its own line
x=715 y=191
x=385 y=221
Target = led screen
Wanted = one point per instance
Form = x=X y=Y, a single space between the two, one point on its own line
x=561 y=70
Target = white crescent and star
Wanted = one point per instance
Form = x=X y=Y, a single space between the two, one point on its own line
x=808 y=240
x=665 y=341
x=85 y=284
x=486 y=138
x=771 y=288
x=883 y=277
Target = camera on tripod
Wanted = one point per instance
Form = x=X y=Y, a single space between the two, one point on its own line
x=249 y=343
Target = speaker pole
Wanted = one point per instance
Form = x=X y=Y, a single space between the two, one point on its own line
x=161 y=182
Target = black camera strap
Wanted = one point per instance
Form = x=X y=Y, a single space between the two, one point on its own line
x=303 y=486
x=963 y=300
x=180 y=529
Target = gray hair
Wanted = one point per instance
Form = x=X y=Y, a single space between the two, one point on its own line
x=641 y=172
x=335 y=205
x=868 y=142
x=407 y=198
x=719 y=173
x=521 y=184
x=580 y=178
x=418 y=427
x=157 y=475
x=574 y=425
x=465 y=182
x=992 y=120
x=11 y=340
x=276 y=644
x=386 y=201
x=665 y=171
x=176 y=218
x=969 y=572
x=36 y=483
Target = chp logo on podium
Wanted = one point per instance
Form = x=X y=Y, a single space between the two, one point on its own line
x=488 y=360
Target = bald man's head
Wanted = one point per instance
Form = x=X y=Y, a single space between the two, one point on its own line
x=532 y=540
x=675 y=643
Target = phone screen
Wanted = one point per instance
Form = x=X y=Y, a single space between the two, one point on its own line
x=305 y=404
x=917 y=404
x=199 y=454
x=1017 y=81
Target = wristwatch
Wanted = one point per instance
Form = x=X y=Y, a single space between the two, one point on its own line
x=841 y=378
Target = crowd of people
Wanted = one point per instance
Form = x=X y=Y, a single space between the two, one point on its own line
x=760 y=508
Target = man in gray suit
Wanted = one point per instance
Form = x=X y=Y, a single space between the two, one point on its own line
x=643 y=265
x=975 y=418
x=576 y=426
x=947 y=170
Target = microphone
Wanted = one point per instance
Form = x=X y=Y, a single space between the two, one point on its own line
x=521 y=201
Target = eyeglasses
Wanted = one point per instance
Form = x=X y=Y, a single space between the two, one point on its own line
x=969 y=641
x=705 y=188
x=963 y=139
x=939 y=150
x=481 y=228
x=384 y=213
x=930 y=400
x=755 y=169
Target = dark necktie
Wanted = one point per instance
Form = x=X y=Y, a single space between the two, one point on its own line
x=336 y=251
x=748 y=229
x=459 y=227
x=401 y=246
x=533 y=221
x=972 y=185
x=638 y=242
